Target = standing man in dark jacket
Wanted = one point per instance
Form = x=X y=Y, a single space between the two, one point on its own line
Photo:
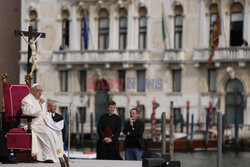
x=133 y=129
x=109 y=128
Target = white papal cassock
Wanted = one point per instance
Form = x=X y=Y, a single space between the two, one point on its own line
x=56 y=128
x=44 y=139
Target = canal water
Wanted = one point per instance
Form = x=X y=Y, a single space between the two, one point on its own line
x=203 y=159
x=209 y=159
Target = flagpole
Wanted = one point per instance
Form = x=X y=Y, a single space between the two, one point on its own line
x=215 y=37
x=90 y=34
x=168 y=34
x=222 y=25
x=164 y=33
x=222 y=22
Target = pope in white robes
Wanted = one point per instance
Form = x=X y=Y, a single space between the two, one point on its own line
x=43 y=138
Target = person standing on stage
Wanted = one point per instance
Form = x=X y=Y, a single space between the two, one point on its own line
x=133 y=129
x=109 y=128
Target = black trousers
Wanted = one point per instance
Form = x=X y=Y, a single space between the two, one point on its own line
x=3 y=148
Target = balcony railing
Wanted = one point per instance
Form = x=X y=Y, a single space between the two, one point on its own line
x=97 y=56
x=173 y=56
x=231 y=54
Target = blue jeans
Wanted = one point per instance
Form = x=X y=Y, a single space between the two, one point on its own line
x=133 y=154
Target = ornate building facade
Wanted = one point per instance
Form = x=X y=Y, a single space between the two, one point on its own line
x=125 y=44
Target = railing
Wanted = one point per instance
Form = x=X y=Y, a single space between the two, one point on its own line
x=231 y=54
x=244 y=131
x=100 y=56
x=173 y=55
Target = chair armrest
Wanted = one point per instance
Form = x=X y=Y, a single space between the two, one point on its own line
x=29 y=119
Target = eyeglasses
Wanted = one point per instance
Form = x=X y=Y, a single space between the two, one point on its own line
x=39 y=90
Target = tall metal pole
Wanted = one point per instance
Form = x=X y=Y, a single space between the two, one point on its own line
x=187 y=123
x=192 y=132
x=69 y=130
x=171 y=140
x=163 y=141
x=219 y=139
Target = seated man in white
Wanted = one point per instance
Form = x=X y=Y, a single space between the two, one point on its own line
x=56 y=123
x=43 y=138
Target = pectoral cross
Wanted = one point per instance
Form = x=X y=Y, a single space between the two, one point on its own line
x=31 y=45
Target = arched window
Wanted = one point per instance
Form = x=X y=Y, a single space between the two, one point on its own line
x=234 y=102
x=84 y=15
x=236 y=24
x=178 y=26
x=65 y=28
x=103 y=36
x=213 y=14
x=123 y=28
x=142 y=28
x=33 y=19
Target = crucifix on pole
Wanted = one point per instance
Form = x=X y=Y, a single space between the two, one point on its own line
x=31 y=49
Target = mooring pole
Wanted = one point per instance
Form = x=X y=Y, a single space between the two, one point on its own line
x=219 y=139
x=171 y=139
x=163 y=132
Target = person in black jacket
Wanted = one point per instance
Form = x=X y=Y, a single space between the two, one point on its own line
x=109 y=128
x=133 y=129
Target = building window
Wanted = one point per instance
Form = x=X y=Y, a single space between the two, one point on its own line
x=103 y=37
x=142 y=28
x=213 y=15
x=178 y=32
x=65 y=28
x=34 y=22
x=141 y=80
x=84 y=18
x=64 y=80
x=82 y=115
x=123 y=29
x=236 y=24
x=236 y=29
x=212 y=80
x=121 y=77
x=212 y=24
x=121 y=112
x=178 y=26
x=33 y=19
x=83 y=80
x=176 y=80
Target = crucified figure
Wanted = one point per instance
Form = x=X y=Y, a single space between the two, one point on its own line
x=32 y=44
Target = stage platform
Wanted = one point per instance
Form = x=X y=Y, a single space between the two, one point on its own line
x=81 y=163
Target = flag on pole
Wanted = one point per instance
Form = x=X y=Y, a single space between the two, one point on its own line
x=215 y=37
x=85 y=31
x=164 y=34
